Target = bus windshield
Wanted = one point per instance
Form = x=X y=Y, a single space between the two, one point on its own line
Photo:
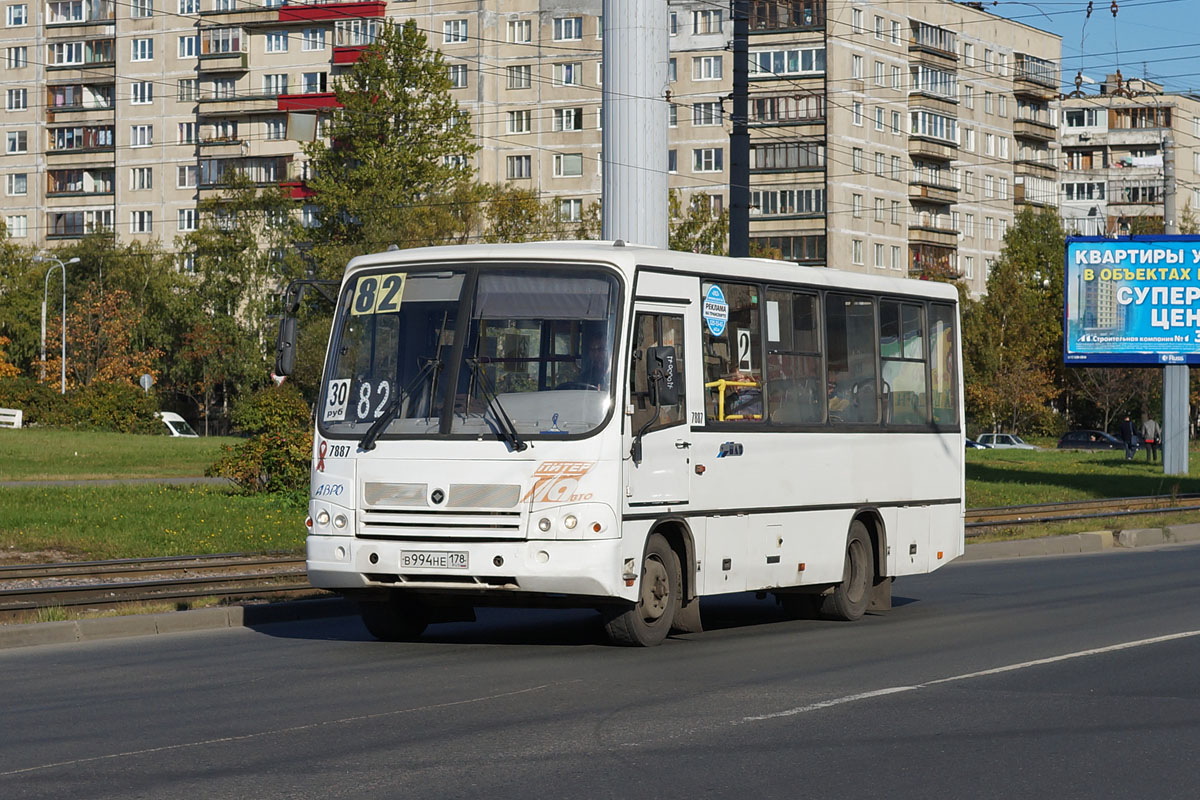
x=537 y=352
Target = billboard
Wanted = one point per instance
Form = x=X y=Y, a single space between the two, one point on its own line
x=1132 y=300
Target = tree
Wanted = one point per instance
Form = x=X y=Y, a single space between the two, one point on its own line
x=100 y=342
x=517 y=215
x=1013 y=337
x=1115 y=389
x=698 y=229
x=396 y=165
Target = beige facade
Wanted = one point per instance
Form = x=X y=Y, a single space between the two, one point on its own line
x=1113 y=144
x=886 y=136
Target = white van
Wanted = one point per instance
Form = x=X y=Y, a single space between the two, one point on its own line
x=176 y=425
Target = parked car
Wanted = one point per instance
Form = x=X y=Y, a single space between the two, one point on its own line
x=1004 y=441
x=1090 y=440
x=974 y=445
x=176 y=425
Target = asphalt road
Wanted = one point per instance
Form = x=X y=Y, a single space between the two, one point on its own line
x=1061 y=677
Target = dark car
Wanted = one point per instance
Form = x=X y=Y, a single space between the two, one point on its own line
x=1090 y=440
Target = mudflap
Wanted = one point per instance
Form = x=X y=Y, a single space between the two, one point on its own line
x=687 y=619
x=881 y=595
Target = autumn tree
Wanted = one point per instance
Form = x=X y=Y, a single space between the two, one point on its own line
x=1013 y=337
x=696 y=229
x=100 y=342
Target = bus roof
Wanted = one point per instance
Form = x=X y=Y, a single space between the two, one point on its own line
x=629 y=257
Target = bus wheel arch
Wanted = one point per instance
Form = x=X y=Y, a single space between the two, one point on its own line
x=679 y=536
x=647 y=621
x=849 y=599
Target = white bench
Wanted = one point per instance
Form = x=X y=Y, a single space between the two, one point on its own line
x=11 y=417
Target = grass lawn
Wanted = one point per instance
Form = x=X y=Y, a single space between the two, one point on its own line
x=1020 y=477
x=85 y=523
x=40 y=454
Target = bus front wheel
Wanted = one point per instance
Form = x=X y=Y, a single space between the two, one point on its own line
x=393 y=620
x=849 y=599
x=647 y=622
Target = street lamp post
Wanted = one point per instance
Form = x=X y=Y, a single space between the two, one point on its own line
x=45 y=290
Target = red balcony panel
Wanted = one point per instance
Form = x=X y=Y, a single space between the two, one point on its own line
x=297 y=190
x=332 y=11
x=308 y=102
x=347 y=55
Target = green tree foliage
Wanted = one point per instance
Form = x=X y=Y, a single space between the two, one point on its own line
x=696 y=229
x=1013 y=337
x=395 y=169
x=518 y=215
x=271 y=408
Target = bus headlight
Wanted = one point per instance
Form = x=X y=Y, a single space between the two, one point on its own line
x=322 y=517
x=570 y=521
x=544 y=524
x=339 y=521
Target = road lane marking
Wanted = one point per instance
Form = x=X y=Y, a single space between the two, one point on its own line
x=854 y=698
x=278 y=731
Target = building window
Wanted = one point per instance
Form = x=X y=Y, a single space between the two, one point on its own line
x=706 y=113
x=17 y=16
x=895 y=257
x=189 y=7
x=856 y=21
x=856 y=67
x=968 y=55
x=518 y=167
x=879 y=27
x=895 y=212
x=188 y=48
x=568 y=29
x=880 y=207
x=879 y=117
x=277 y=42
x=708 y=159
x=141 y=178
x=856 y=251
x=987 y=102
x=707 y=21
x=520 y=76
x=458 y=76
x=276 y=129
x=568 y=119
x=570 y=210
x=896 y=168
x=187 y=220
x=787 y=202
x=706 y=68
x=568 y=74
x=275 y=84
x=856 y=206
x=568 y=165
x=16 y=57
x=520 y=31
x=141 y=135
x=186 y=176
x=880 y=254
x=856 y=112
x=16 y=142
x=519 y=121
x=895 y=31
x=988 y=60
x=856 y=159
x=17 y=226
x=673 y=23
x=16 y=100
x=673 y=161
x=880 y=75
x=313 y=82
x=143 y=93
x=141 y=221
x=141 y=8
x=16 y=184
x=672 y=70
x=897 y=78
x=454 y=31
x=142 y=50
x=1002 y=105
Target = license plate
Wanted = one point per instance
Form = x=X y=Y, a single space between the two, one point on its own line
x=433 y=559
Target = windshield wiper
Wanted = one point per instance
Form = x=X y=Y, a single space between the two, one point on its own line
x=389 y=413
x=508 y=430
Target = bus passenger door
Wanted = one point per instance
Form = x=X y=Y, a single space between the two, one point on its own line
x=657 y=429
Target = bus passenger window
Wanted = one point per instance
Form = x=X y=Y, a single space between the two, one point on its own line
x=943 y=365
x=850 y=351
x=902 y=358
x=654 y=330
x=732 y=346
x=795 y=386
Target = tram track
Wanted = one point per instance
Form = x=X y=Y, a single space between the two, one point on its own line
x=99 y=585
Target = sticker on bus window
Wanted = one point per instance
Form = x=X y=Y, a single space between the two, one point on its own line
x=378 y=294
x=336 y=398
x=716 y=310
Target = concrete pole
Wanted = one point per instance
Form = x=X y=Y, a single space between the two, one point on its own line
x=1176 y=379
x=634 y=116
x=739 y=138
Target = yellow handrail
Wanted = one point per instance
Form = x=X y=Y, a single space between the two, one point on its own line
x=721 y=385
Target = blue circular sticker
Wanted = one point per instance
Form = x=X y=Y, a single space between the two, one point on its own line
x=716 y=310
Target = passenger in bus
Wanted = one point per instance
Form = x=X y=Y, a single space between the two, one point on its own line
x=596 y=364
x=837 y=387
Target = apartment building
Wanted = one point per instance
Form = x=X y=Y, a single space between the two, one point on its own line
x=885 y=136
x=1112 y=156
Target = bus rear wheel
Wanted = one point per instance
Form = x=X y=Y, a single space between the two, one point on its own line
x=849 y=599
x=647 y=622
x=395 y=619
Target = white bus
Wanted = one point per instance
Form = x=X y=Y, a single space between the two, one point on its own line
x=631 y=429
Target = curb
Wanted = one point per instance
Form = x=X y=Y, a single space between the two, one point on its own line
x=250 y=616
x=199 y=619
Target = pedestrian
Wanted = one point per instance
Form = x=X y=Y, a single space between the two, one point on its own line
x=1127 y=438
x=1151 y=433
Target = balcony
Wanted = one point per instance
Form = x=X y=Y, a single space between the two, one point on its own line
x=930 y=235
x=306 y=12
x=1034 y=129
x=297 y=190
x=1035 y=167
x=79 y=183
x=223 y=62
x=936 y=46
x=1035 y=77
x=225 y=105
x=348 y=55
x=307 y=102
x=929 y=191
x=777 y=16
x=215 y=146
x=63 y=15
x=937 y=149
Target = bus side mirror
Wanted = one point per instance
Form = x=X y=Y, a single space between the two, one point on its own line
x=285 y=347
x=662 y=378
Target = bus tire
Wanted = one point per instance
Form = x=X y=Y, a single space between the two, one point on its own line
x=648 y=621
x=393 y=620
x=849 y=599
